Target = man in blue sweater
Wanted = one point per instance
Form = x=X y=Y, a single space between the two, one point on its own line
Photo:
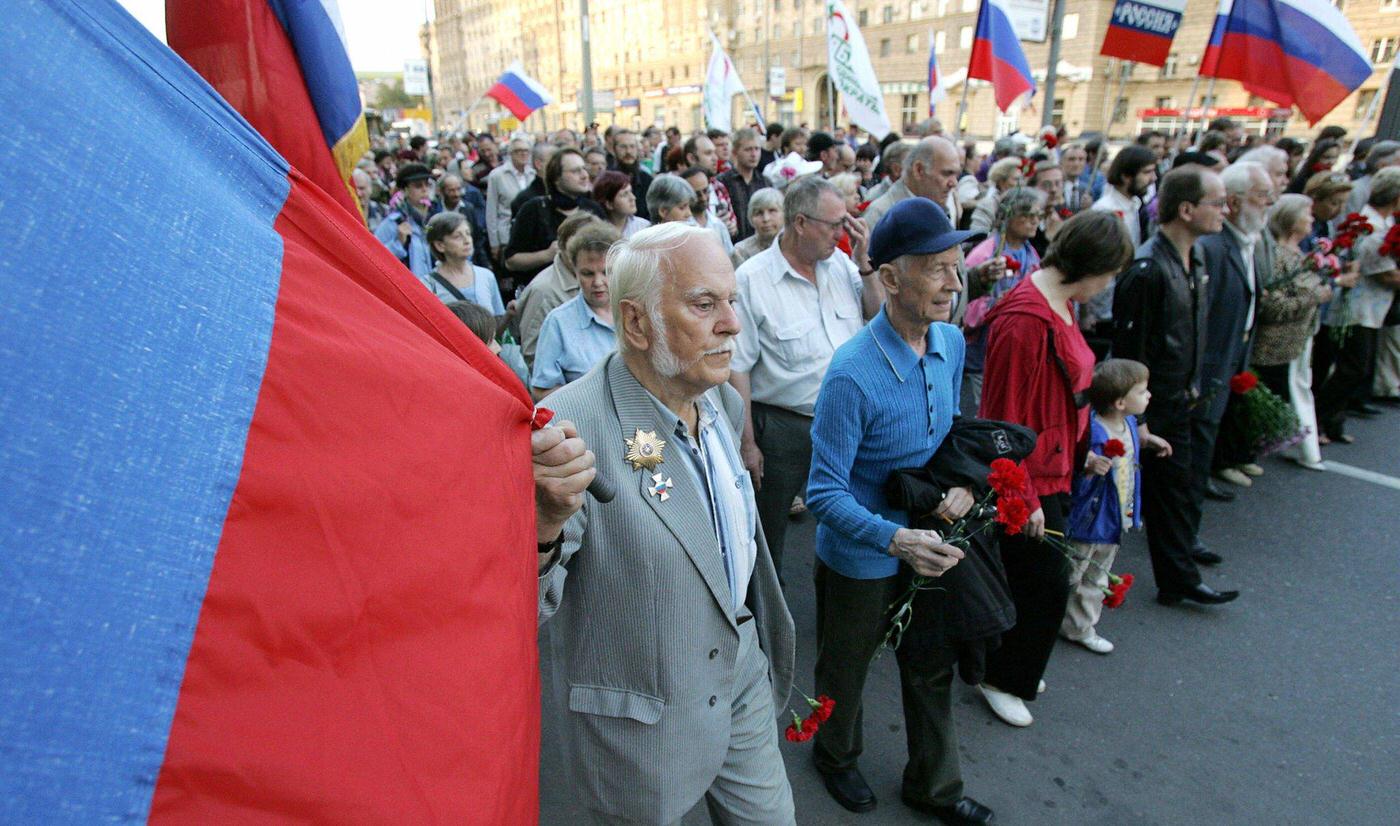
x=887 y=402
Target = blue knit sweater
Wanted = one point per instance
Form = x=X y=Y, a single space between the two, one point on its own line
x=881 y=408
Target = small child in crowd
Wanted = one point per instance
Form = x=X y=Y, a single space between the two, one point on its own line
x=1107 y=496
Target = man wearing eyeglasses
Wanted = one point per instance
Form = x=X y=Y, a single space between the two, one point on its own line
x=799 y=300
x=1159 y=319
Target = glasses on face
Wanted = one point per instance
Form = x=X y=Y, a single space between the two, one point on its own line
x=1214 y=202
x=834 y=225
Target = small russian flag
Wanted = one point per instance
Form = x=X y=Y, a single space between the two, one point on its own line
x=997 y=55
x=519 y=92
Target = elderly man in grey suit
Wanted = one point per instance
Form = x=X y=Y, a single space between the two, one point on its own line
x=671 y=642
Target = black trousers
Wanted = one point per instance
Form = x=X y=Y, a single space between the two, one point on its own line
x=1274 y=377
x=1353 y=364
x=1203 y=436
x=1171 y=504
x=785 y=438
x=852 y=618
x=1039 y=578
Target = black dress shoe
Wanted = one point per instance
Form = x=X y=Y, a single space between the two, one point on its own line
x=1218 y=493
x=965 y=810
x=1204 y=594
x=1200 y=555
x=1387 y=401
x=849 y=789
x=1363 y=410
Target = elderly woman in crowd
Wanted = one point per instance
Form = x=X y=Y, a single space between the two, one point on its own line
x=1003 y=176
x=1351 y=328
x=1038 y=365
x=613 y=192
x=1289 y=298
x=1328 y=192
x=455 y=277
x=766 y=218
x=669 y=198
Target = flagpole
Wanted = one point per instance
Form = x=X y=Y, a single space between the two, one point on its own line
x=467 y=114
x=1117 y=96
x=962 y=109
x=1179 y=124
x=1053 y=63
x=1209 y=96
x=831 y=96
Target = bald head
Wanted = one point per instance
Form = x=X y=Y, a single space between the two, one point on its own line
x=931 y=170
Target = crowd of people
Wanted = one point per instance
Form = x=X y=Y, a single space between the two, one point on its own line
x=791 y=316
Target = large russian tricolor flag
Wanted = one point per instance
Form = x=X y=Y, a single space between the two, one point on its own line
x=1301 y=53
x=997 y=55
x=1210 y=58
x=284 y=66
x=519 y=92
x=1142 y=30
x=266 y=525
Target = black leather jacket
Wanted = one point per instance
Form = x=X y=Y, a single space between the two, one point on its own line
x=1159 y=319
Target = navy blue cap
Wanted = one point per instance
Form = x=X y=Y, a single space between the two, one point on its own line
x=915 y=226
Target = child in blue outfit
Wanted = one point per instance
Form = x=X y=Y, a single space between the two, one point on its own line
x=1107 y=495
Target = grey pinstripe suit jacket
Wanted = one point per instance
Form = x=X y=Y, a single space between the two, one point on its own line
x=643 y=634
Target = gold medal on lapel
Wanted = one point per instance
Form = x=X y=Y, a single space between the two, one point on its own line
x=644 y=451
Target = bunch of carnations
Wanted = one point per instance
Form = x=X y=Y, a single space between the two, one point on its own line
x=1003 y=504
x=1268 y=422
x=1322 y=260
x=1117 y=591
x=1353 y=228
x=803 y=729
x=1390 y=245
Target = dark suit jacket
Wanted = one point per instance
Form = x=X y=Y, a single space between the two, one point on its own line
x=1230 y=296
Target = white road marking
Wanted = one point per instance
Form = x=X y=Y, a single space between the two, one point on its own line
x=1362 y=474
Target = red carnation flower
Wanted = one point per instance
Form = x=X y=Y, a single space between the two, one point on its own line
x=1242 y=383
x=1006 y=478
x=1013 y=265
x=1113 y=448
x=1012 y=514
x=1051 y=140
x=1118 y=590
x=822 y=708
x=1065 y=212
x=796 y=735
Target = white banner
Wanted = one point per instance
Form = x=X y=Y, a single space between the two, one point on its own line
x=721 y=85
x=415 y=77
x=848 y=64
x=1030 y=18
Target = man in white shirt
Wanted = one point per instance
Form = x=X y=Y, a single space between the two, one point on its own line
x=502 y=185
x=1131 y=176
x=799 y=300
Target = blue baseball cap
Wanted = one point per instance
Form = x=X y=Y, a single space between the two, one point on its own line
x=915 y=226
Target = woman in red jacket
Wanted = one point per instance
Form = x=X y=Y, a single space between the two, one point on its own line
x=1037 y=369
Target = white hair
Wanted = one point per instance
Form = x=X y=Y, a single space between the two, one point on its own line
x=635 y=266
x=1239 y=176
x=1264 y=155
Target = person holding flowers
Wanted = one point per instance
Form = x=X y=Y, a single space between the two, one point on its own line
x=886 y=403
x=1038 y=366
x=1354 y=320
x=1107 y=495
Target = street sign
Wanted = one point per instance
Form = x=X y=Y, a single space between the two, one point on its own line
x=1029 y=18
x=777 y=81
x=604 y=100
x=415 y=77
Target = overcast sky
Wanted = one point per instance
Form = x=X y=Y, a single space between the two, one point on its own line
x=382 y=34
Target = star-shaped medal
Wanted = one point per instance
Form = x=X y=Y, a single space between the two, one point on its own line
x=644 y=451
x=661 y=488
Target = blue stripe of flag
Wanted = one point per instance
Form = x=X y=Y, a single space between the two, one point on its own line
x=522 y=90
x=1300 y=36
x=330 y=79
x=133 y=339
x=995 y=27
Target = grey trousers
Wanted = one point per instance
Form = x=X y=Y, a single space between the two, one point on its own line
x=752 y=786
x=785 y=438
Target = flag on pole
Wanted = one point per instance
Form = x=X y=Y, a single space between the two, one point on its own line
x=1142 y=30
x=937 y=90
x=848 y=66
x=519 y=92
x=254 y=568
x=1210 y=59
x=722 y=83
x=997 y=55
x=1301 y=53
x=283 y=66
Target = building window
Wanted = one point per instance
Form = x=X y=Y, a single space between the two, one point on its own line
x=940 y=39
x=911 y=44
x=908 y=111
x=1070 y=30
x=863 y=18
x=884 y=47
x=1164 y=103
x=965 y=37
x=1169 y=68
x=918 y=9
x=1120 y=111
x=1382 y=50
x=1057 y=112
x=1390 y=5
x=1363 y=102
x=887 y=14
x=797 y=28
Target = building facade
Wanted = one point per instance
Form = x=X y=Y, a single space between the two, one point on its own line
x=649 y=57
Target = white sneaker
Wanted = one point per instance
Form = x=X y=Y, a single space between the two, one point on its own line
x=1234 y=477
x=1008 y=707
x=1096 y=644
x=1040 y=688
x=1310 y=465
x=1250 y=469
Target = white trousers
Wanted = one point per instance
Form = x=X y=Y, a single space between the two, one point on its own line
x=1387 y=381
x=1301 y=396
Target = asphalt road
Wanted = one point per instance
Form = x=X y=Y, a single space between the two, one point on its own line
x=1281 y=708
